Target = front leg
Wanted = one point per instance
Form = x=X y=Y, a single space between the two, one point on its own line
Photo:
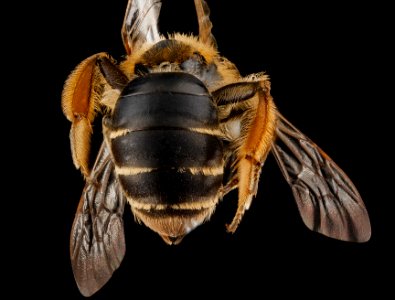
x=81 y=98
x=256 y=108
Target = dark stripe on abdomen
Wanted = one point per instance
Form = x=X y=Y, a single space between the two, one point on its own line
x=170 y=187
x=169 y=212
x=167 y=148
x=164 y=109
x=164 y=99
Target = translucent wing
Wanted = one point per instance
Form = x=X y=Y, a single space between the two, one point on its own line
x=327 y=200
x=140 y=23
x=97 y=243
x=205 y=25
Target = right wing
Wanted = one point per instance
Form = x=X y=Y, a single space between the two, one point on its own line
x=205 y=25
x=327 y=200
x=97 y=242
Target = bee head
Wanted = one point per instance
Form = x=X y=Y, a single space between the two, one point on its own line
x=181 y=53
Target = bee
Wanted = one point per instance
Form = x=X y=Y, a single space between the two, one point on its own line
x=181 y=129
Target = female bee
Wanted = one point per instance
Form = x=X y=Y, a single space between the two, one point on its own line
x=181 y=129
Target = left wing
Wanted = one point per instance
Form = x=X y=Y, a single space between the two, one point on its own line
x=97 y=242
x=327 y=200
x=140 y=23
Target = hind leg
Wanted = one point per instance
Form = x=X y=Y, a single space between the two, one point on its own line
x=81 y=99
x=252 y=105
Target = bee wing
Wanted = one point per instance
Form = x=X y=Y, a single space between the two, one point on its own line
x=140 y=23
x=205 y=25
x=326 y=198
x=97 y=243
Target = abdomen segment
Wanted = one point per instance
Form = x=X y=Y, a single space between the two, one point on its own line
x=166 y=144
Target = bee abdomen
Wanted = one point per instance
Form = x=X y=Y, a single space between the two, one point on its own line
x=166 y=144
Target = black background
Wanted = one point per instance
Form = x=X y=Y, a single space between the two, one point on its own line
x=325 y=62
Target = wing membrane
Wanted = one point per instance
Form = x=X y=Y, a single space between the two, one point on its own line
x=326 y=198
x=205 y=25
x=140 y=23
x=97 y=243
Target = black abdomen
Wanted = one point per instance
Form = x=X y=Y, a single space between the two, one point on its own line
x=164 y=138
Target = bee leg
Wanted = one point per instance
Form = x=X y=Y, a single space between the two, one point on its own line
x=256 y=140
x=81 y=99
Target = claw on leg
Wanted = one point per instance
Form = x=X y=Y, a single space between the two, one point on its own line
x=246 y=192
